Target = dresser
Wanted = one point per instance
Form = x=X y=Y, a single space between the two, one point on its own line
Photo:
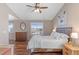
x=69 y=49
x=20 y=43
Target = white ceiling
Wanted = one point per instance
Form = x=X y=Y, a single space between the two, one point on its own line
x=26 y=13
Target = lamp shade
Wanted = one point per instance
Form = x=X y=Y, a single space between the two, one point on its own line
x=74 y=35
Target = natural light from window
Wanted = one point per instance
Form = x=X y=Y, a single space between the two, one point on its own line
x=37 y=28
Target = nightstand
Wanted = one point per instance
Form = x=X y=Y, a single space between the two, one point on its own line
x=69 y=49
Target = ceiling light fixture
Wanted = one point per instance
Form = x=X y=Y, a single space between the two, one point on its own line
x=37 y=7
x=37 y=10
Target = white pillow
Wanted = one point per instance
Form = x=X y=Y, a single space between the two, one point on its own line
x=64 y=35
x=58 y=36
x=55 y=35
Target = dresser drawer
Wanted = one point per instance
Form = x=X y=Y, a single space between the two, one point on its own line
x=20 y=53
x=21 y=43
x=20 y=46
x=24 y=50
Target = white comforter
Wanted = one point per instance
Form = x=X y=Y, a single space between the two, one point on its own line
x=46 y=42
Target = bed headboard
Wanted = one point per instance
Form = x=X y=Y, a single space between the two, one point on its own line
x=65 y=30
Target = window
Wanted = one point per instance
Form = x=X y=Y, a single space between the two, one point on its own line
x=10 y=26
x=10 y=23
x=36 y=28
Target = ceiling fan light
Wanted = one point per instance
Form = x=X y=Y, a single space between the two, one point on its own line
x=37 y=10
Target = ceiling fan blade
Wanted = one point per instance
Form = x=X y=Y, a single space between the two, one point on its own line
x=37 y=7
x=30 y=6
x=43 y=7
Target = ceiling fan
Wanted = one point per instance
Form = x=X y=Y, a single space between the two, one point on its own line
x=37 y=7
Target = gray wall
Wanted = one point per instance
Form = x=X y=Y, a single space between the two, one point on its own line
x=46 y=31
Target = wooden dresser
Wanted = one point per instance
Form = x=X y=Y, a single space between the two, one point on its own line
x=20 y=43
x=69 y=49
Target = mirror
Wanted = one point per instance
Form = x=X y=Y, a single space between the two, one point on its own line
x=23 y=26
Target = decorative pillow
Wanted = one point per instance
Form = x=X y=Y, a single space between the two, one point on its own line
x=62 y=36
x=55 y=35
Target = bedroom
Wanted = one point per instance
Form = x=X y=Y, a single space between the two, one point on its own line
x=19 y=23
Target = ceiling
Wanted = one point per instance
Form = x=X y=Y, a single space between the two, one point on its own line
x=26 y=13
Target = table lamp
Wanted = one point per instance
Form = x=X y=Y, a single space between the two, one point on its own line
x=75 y=39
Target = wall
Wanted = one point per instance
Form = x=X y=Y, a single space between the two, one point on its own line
x=46 y=31
x=48 y=27
x=72 y=16
x=4 y=34
x=62 y=15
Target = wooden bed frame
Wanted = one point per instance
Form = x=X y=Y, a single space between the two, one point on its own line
x=44 y=51
x=65 y=30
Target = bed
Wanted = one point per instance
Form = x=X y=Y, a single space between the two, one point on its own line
x=54 y=42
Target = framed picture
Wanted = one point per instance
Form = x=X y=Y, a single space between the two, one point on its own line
x=62 y=20
x=22 y=26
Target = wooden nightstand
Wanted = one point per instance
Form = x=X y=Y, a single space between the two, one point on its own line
x=70 y=50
